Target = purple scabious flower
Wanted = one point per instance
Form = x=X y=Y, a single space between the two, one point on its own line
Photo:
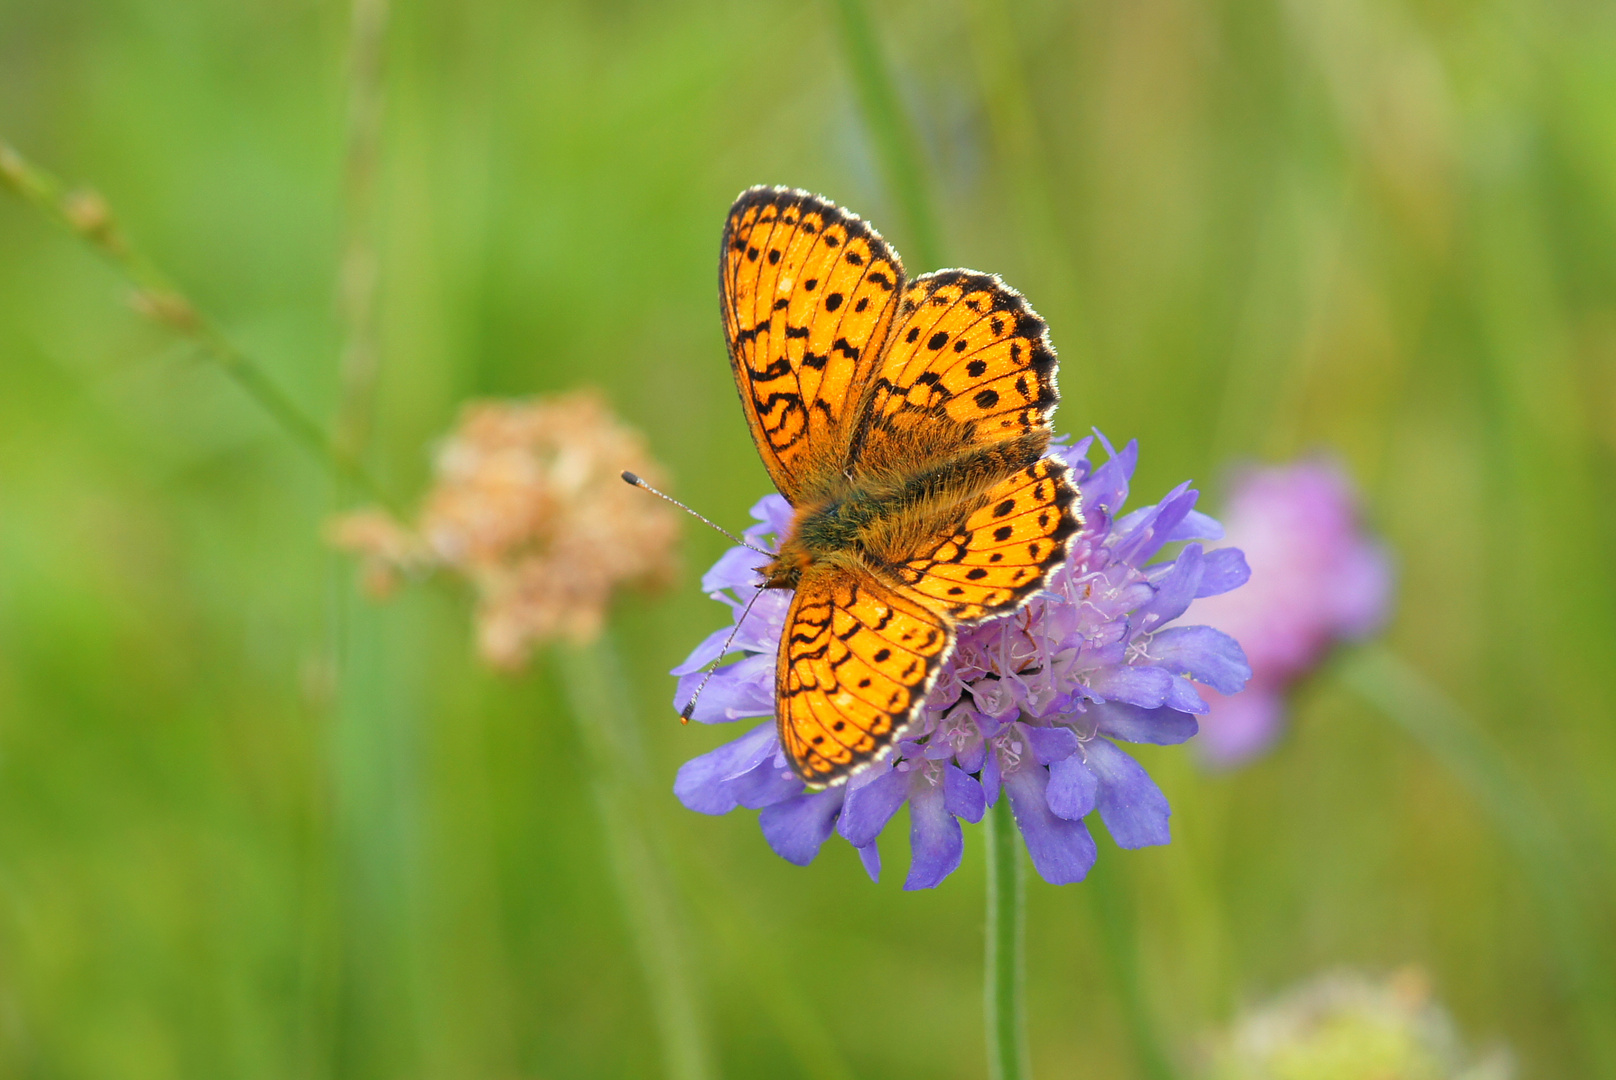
x=1031 y=705
x=1317 y=578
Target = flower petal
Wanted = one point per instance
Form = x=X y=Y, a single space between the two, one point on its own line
x=1133 y=808
x=935 y=838
x=710 y=649
x=1196 y=526
x=1074 y=454
x=1174 y=591
x=700 y=784
x=1178 y=505
x=1140 y=685
x=1072 y=789
x=766 y=785
x=1184 y=697
x=991 y=777
x=1222 y=570
x=1206 y=655
x=962 y=795
x=1050 y=744
x=796 y=828
x=735 y=569
x=775 y=513
x=1062 y=851
x=870 y=856
x=744 y=688
x=1163 y=727
x=1363 y=590
x=1107 y=487
x=870 y=807
x=971 y=752
x=1142 y=533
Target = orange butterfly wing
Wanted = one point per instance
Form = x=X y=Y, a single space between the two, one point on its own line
x=966 y=350
x=846 y=369
x=969 y=357
x=858 y=654
x=1013 y=537
x=808 y=292
x=856 y=660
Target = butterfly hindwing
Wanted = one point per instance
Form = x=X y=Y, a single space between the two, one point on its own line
x=808 y=292
x=967 y=349
x=1018 y=532
x=856 y=659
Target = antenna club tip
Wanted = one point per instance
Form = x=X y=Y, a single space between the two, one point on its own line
x=685 y=713
x=630 y=478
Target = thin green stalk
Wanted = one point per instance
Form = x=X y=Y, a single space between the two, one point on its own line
x=359 y=270
x=594 y=682
x=1423 y=711
x=896 y=144
x=88 y=217
x=1113 y=911
x=1005 y=983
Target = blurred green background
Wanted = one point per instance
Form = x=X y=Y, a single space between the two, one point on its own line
x=252 y=825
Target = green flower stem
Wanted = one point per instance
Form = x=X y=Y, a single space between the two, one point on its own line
x=1423 y=711
x=594 y=681
x=896 y=144
x=88 y=217
x=1004 y=988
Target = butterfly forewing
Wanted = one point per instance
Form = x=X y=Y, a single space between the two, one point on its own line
x=856 y=659
x=808 y=292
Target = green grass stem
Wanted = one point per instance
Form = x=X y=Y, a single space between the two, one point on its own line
x=595 y=684
x=360 y=266
x=87 y=216
x=896 y=144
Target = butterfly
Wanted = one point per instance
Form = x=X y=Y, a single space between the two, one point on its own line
x=906 y=423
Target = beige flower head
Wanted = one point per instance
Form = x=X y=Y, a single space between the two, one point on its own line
x=529 y=507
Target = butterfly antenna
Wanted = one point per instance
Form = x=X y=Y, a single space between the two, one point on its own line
x=636 y=481
x=690 y=706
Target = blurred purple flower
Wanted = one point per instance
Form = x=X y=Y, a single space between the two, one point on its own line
x=1030 y=704
x=1317 y=578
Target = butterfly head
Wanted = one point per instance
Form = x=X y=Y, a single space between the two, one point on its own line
x=785 y=570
